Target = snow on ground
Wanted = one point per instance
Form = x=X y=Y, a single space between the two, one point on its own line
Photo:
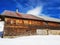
x=1 y=25
x=32 y=40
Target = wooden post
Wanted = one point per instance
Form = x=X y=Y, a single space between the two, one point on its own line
x=47 y=32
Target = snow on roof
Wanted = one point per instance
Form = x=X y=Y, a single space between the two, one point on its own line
x=29 y=16
x=49 y=18
x=20 y=15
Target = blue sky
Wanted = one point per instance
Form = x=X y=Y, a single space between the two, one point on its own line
x=50 y=8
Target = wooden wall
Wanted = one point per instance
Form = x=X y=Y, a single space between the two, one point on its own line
x=16 y=27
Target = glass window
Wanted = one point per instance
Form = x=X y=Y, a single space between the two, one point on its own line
x=35 y=23
x=53 y=24
x=13 y=21
x=25 y=21
x=20 y=21
x=7 y=20
x=42 y=23
x=17 y=22
x=30 y=22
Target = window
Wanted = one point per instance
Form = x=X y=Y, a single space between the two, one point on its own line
x=13 y=21
x=42 y=23
x=53 y=24
x=37 y=22
x=45 y=23
x=7 y=20
x=20 y=21
x=25 y=21
x=17 y=22
x=30 y=22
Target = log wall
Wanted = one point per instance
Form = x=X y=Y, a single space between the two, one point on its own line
x=16 y=27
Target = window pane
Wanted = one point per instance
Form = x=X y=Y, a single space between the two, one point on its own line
x=30 y=22
x=25 y=21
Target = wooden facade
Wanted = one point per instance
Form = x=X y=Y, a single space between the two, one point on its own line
x=15 y=26
x=21 y=26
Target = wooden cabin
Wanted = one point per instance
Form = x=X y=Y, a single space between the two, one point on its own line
x=17 y=24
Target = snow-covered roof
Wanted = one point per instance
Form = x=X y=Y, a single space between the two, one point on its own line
x=30 y=16
x=20 y=15
x=49 y=18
